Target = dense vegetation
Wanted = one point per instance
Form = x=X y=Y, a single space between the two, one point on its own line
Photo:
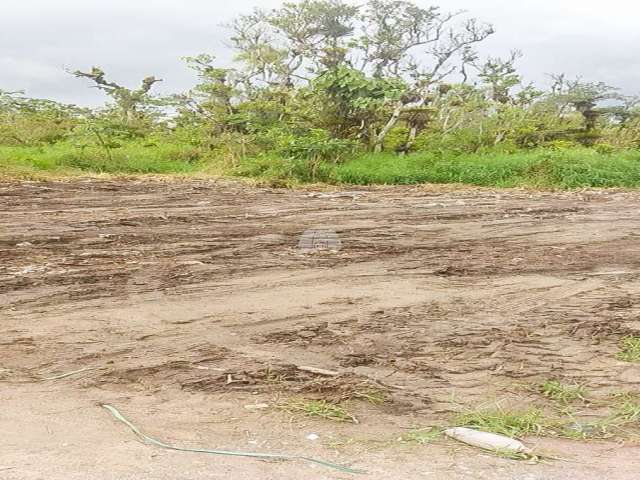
x=322 y=90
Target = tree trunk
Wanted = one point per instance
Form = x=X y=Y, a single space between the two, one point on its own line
x=397 y=111
x=413 y=133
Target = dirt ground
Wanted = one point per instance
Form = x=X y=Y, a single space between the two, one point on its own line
x=191 y=308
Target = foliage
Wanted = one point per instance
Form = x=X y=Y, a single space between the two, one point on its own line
x=575 y=168
x=67 y=159
x=30 y=121
x=131 y=105
x=318 y=86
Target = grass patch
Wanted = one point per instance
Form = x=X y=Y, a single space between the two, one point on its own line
x=627 y=408
x=629 y=349
x=321 y=409
x=629 y=411
x=575 y=167
x=64 y=159
x=422 y=436
x=505 y=422
x=622 y=422
x=562 y=393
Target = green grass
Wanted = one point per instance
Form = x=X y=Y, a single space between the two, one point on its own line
x=421 y=436
x=628 y=410
x=512 y=423
x=629 y=349
x=562 y=393
x=569 y=168
x=575 y=168
x=68 y=160
x=319 y=408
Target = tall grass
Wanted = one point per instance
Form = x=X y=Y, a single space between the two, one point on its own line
x=67 y=160
x=546 y=168
x=580 y=167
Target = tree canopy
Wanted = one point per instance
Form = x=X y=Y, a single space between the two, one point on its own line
x=319 y=79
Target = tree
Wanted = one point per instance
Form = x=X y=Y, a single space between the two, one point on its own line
x=295 y=42
x=129 y=102
x=384 y=40
x=352 y=101
x=447 y=44
x=501 y=76
x=214 y=96
x=584 y=97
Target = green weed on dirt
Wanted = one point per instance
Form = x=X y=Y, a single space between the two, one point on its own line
x=512 y=423
x=629 y=349
x=561 y=392
x=627 y=408
x=319 y=408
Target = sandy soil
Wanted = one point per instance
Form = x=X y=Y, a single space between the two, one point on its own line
x=191 y=303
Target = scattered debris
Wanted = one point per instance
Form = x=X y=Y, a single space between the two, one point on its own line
x=318 y=371
x=69 y=374
x=332 y=195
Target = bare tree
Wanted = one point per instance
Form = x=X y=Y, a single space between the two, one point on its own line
x=127 y=100
x=293 y=42
x=449 y=44
x=583 y=97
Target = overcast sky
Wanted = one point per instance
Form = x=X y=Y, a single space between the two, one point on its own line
x=131 y=39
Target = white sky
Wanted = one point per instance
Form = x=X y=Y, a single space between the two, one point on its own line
x=131 y=39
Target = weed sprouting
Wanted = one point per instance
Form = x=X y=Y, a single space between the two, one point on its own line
x=319 y=408
x=561 y=392
x=421 y=436
x=504 y=422
x=629 y=349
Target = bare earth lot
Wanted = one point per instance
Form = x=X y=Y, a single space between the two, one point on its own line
x=190 y=301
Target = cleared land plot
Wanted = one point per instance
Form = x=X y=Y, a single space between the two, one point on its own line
x=191 y=305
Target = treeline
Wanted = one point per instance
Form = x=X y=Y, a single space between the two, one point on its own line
x=320 y=81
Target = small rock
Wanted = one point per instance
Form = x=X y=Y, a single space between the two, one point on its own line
x=586 y=428
x=24 y=244
x=28 y=269
x=313 y=437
